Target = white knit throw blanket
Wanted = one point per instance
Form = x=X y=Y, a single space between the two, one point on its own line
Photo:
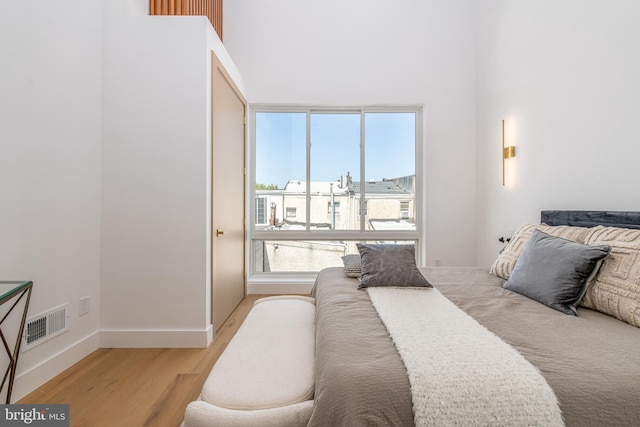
x=461 y=374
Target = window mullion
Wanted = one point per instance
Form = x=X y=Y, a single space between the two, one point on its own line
x=308 y=178
x=362 y=173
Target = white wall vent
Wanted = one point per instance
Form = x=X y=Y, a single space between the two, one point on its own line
x=45 y=326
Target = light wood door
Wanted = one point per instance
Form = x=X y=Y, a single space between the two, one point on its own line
x=228 y=200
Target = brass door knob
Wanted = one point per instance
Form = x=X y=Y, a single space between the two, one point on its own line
x=219 y=232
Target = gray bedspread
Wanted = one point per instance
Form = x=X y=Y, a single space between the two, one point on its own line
x=360 y=378
x=592 y=361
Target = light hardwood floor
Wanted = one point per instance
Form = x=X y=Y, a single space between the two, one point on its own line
x=137 y=387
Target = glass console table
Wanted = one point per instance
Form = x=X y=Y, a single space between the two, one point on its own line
x=13 y=292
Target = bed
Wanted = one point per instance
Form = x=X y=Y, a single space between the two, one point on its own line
x=590 y=361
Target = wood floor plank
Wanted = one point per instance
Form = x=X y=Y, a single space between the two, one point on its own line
x=177 y=395
x=137 y=386
x=69 y=376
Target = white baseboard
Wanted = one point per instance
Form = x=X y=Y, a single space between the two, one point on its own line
x=156 y=338
x=30 y=380
x=209 y=334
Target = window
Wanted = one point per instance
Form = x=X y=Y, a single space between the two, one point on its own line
x=404 y=209
x=360 y=208
x=336 y=208
x=261 y=210
x=340 y=175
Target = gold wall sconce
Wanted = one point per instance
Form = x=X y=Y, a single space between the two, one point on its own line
x=507 y=153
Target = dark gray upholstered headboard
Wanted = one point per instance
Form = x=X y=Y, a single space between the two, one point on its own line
x=591 y=218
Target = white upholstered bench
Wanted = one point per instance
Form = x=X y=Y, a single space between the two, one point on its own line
x=265 y=376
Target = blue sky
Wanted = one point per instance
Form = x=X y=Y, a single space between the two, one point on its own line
x=335 y=146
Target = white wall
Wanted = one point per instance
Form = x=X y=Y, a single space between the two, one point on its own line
x=156 y=179
x=372 y=52
x=564 y=74
x=50 y=135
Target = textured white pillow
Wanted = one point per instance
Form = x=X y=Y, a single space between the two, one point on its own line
x=352 y=266
x=616 y=289
x=503 y=265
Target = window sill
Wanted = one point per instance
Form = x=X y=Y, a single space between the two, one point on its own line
x=281 y=283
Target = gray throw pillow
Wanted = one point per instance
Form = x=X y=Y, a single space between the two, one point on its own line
x=352 y=265
x=390 y=265
x=555 y=271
